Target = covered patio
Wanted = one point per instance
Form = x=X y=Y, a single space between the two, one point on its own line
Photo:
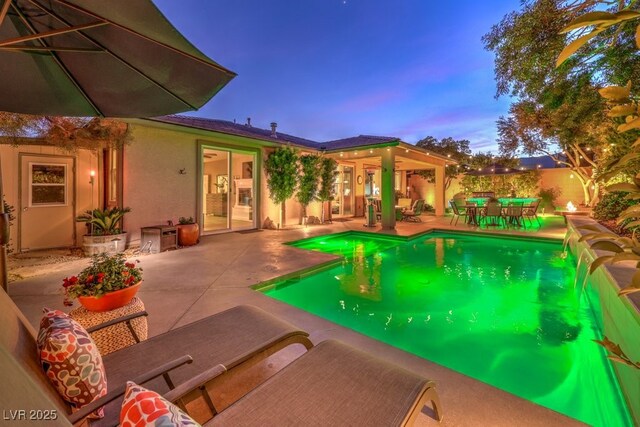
x=389 y=156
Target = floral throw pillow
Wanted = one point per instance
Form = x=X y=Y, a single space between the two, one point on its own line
x=71 y=360
x=142 y=408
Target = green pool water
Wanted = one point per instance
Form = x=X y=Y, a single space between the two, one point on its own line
x=503 y=311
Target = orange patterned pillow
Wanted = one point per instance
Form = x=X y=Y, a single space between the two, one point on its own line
x=70 y=359
x=142 y=408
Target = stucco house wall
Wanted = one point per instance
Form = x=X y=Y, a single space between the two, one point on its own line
x=156 y=190
x=153 y=186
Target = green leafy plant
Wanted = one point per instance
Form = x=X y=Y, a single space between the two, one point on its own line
x=621 y=105
x=308 y=185
x=281 y=168
x=328 y=173
x=104 y=222
x=611 y=205
x=548 y=198
x=106 y=273
x=457 y=150
x=9 y=209
x=186 y=220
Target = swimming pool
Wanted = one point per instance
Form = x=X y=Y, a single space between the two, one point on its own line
x=504 y=311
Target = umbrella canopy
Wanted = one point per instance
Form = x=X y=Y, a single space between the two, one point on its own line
x=494 y=169
x=115 y=58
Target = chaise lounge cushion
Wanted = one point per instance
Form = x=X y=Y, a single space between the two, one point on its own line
x=142 y=408
x=229 y=338
x=332 y=384
x=70 y=359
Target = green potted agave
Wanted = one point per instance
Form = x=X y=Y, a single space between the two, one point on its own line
x=104 y=232
x=109 y=282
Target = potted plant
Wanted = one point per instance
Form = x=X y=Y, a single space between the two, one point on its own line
x=109 y=282
x=104 y=234
x=188 y=231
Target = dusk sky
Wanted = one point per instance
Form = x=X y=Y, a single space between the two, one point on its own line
x=330 y=69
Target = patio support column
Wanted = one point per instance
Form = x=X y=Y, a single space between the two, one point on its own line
x=388 y=196
x=439 y=196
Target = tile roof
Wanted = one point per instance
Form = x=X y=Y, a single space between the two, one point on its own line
x=232 y=128
x=357 y=141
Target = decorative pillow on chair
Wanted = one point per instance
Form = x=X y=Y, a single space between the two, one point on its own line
x=71 y=360
x=142 y=407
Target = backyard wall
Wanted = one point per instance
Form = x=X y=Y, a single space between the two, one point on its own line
x=618 y=317
x=560 y=178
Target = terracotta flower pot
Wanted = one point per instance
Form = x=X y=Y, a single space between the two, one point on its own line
x=111 y=300
x=188 y=234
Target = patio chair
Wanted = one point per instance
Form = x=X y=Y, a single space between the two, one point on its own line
x=457 y=212
x=377 y=208
x=331 y=384
x=493 y=212
x=404 y=203
x=414 y=213
x=513 y=214
x=236 y=338
x=531 y=211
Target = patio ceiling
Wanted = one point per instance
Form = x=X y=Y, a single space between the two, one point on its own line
x=407 y=156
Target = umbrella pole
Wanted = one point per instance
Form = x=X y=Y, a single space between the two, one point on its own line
x=4 y=238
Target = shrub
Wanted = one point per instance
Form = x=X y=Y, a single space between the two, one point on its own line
x=184 y=220
x=611 y=205
x=548 y=198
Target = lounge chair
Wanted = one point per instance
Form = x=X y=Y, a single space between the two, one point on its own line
x=331 y=384
x=414 y=213
x=404 y=203
x=236 y=338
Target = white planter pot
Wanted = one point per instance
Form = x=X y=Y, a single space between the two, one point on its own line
x=111 y=244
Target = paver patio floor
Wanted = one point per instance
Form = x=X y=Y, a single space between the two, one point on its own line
x=188 y=284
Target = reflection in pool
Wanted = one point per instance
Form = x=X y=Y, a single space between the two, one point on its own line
x=503 y=311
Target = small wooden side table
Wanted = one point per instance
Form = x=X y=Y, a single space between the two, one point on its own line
x=117 y=336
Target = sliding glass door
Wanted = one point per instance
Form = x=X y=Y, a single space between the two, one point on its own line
x=228 y=190
x=343 y=205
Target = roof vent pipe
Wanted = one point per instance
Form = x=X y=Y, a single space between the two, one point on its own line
x=274 y=126
x=249 y=121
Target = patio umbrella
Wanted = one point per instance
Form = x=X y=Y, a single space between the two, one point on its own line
x=115 y=58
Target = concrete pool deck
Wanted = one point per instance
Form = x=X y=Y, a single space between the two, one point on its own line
x=191 y=283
